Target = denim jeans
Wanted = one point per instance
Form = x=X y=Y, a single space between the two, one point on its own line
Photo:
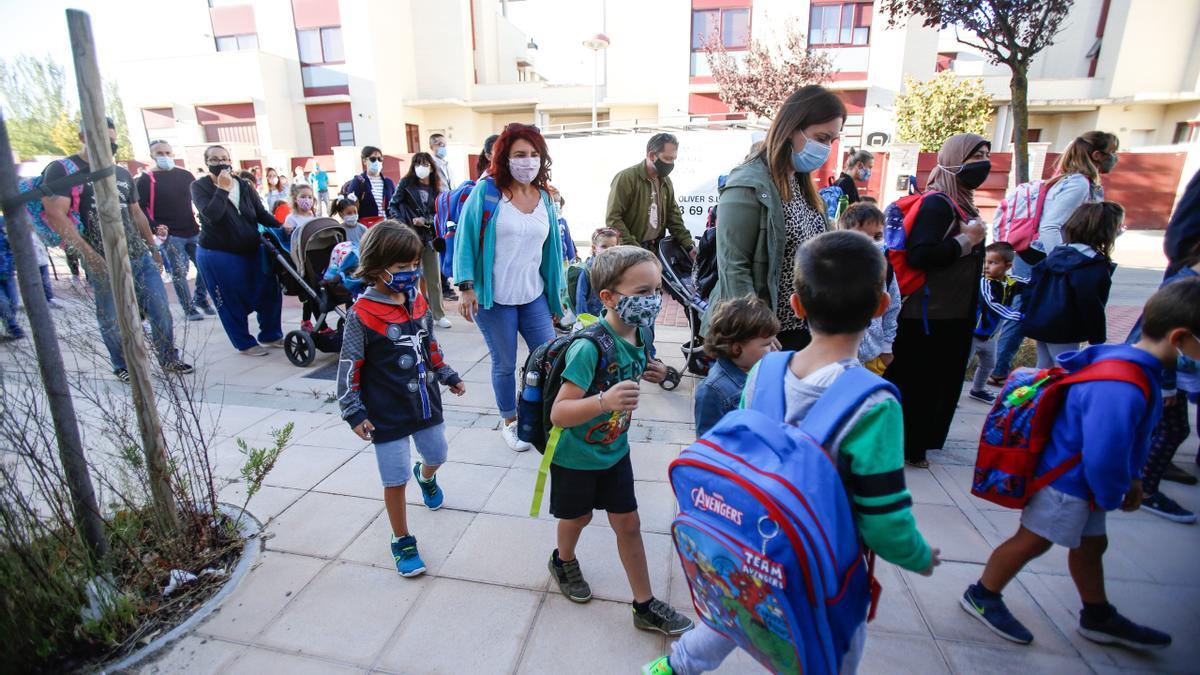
x=151 y=298
x=239 y=284
x=500 y=326
x=8 y=304
x=179 y=250
x=1011 y=336
x=49 y=289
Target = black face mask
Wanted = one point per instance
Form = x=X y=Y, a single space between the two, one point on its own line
x=972 y=174
x=662 y=168
x=216 y=169
x=114 y=146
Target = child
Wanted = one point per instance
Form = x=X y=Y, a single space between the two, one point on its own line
x=302 y=205
x=838 y=288
x=875 y=352
x=388 y=378
x=1064 y=304
x=591 y=467
x=587 y=301
x=280 y=209
x=1110 y=424
x=740 y=332
x=346 y=208
x=1179 y=385
x=997 y=290
x=9 y=295
x=343 y=265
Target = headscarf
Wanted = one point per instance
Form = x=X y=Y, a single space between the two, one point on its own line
x=951 y=157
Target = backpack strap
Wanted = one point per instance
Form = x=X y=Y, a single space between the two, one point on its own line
x=153 y=184
x=491 y=201
x=841 y=400
x=769 y=398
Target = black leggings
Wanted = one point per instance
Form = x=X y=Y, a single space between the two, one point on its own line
x=929 y=370
x=1172 y=430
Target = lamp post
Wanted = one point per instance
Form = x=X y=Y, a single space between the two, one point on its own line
x=596 y=43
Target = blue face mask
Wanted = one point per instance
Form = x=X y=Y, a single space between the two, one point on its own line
x=441 y=152
x=164 y=163
x=864 y=175
x=404 y=282
x=811 y=158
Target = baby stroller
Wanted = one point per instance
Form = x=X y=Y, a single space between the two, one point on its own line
x=677 y=277
x=299 y=272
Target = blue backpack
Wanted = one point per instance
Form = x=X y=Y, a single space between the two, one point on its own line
x=765 y=531
x=32 y=190
x=832 y=196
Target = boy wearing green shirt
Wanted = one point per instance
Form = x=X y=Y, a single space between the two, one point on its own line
x=591 y=467
x=839 y=288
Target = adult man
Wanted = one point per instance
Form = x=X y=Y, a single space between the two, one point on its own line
x=144 y=258
x=641 y=199
x=320 y=182
x=371 y=187
x=164 y=194
x=437 y=145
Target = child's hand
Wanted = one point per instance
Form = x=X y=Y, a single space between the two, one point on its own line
x=458 y=389
x=364 y=430
x=886 y=359
x=655 y=372
x=1133 y=498
x=622 y=396
x=935 y=559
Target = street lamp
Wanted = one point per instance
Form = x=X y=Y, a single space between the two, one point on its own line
x=596 y=43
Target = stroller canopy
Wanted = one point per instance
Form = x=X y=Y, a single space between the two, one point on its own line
x=321 y=234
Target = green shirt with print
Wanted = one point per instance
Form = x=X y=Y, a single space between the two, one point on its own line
x=603 y=440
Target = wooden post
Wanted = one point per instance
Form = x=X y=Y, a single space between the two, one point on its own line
x=120 y=274
x=50 y=362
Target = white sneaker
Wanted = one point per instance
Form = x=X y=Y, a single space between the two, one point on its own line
x=444 y=323
x=509 y=432
x=55 y=303
x=256 y=350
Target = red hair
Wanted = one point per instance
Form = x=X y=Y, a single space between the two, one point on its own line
x=512 y=133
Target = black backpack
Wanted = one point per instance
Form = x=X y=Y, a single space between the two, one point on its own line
x=704 y=271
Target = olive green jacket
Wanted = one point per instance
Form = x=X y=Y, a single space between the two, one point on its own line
x=629 y=207
x=751 y=237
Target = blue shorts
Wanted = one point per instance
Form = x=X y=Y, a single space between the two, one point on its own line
x=395 y=457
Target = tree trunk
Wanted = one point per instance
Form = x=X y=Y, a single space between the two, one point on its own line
x=50 y=364
x=1019 y=86
x=120 y=274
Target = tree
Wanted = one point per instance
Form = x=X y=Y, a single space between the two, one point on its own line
x=1008 y=32
x=930 y=112
x=36 y=92
x=116 y=110
x=769 y=74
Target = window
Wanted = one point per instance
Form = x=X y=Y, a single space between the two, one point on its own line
x=730 y=26
x=413 y=133
x=345 y=133
x=233 y=43
x=1186 y=132
x=845 y=24
x=321 y=45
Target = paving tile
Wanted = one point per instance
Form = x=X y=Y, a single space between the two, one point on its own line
x=946 y=527
x=358 y=477
x=887 y=653
x=601 y=563
x=346 y=613
x=194 y=655
x=302 y=467
x=1175 y=548
x=938 y=598
x=656 y=505
x=925 y=488
x=452 y=614
x=231 y=419
x=303 y=423
x=257 y=661
x=267 y=503
x=650 y=460
x=897 y=611
x=467 y=486
x=320 y=524
x=481 y=446
x=514 y=495
x=1118 y=563
x=437 y=533
x=561 y=631
x=336 y=436
x=504 y=550
x=273 y=582
x=966 y=657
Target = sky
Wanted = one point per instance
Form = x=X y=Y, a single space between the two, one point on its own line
x=559 y=28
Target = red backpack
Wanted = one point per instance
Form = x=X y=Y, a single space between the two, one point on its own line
x=898 y=220
x=1019 y=425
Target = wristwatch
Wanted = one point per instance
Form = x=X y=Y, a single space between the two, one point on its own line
x=467 y=286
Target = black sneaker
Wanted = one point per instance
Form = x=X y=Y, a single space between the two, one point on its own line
x=662 y=618
x=122 y=375
x=1165 y=507
x=449 y=294
x=1175 y=474
x=983 y=396
x=207 y=309
x=570 y=578
x=178 y=368
x=1117 y=630
x=994 y=614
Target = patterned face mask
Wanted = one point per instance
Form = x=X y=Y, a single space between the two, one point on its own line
x=404 y=282
x=639 y=310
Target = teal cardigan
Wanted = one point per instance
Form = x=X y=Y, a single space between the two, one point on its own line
x=471 y=263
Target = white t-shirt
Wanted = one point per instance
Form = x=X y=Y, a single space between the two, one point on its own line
x=516 y=270
x=377 y=192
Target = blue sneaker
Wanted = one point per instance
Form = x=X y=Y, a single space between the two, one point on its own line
x=430 y=492
x=995 y=616
x=408 y=561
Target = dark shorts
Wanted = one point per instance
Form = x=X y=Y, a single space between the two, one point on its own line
x=574 y=493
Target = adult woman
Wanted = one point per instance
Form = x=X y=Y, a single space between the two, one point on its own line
x=770 y=206
x=1076 y=181
x=858 y=168
x=276 y=190
x=509 y=269
x=413 y=203
x=485 y=156
x=933 y=339
x=230 y=256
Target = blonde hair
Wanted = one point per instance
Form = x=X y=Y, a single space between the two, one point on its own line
x=609 y=266
x=1078 y=156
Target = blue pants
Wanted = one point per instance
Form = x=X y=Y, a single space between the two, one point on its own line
x=500 y=326
x=178 y=251
x=1011 y=335
x=239 y=285
x=8 y=304
x=151 y=298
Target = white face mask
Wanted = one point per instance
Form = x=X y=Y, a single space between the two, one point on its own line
x=524 y=169
x=422 y=171
x=351 y=219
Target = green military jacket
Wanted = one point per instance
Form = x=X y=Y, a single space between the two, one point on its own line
x=629 y=208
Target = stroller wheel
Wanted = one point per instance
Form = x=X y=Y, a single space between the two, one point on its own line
x=299 y=347
x=672 y=380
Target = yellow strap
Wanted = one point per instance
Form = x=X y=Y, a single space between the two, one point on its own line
x=544 y=470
